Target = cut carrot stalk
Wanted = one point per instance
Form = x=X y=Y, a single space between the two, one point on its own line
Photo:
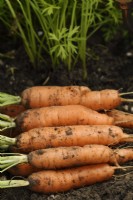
x=51 y=181
x=7 y=99
x=80 y=135
x=6 y=122
x=44 y=96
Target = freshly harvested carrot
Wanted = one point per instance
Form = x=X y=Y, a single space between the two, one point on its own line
x=61 y=116
x=57 y=116
x=23 y=169
x=62 y=157
x=121 y=118
x=51 y=181
x=76 y=135
x=40 y=96
x=44 y=96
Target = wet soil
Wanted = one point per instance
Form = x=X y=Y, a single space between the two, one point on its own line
x=110 y=66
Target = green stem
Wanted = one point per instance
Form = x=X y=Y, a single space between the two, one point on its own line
x=13 y=183
x=7 y=162
x=4 y=140
x=6 y=122
x=7 y=99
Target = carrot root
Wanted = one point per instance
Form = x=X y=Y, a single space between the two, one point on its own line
x=51 y=181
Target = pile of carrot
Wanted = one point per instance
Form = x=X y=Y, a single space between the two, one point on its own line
x=64 y=137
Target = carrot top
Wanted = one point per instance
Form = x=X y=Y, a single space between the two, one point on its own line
x=6 y=122
x=7 y=99
x=11 y=160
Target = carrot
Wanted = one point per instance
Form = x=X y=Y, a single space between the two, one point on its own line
x=60 y=116
x=76 y=135
x=62 y=157
x=51 y=181
x=123 y=119
x=23 y=169
x=44 y=96
x=40 y=96
x=55 y=116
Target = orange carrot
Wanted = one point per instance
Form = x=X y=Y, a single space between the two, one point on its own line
x=60 y=116
x=62 y=157
x=23 y=169
x=52 y=181
x=44 y=96
x=78 y=135
x=41 y=96
x=123 y=119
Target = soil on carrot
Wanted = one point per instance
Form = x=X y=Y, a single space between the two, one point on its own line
x=108 y=65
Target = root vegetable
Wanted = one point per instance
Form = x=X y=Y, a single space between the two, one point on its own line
x=76 y=135
x=61 y=116
x=44 y=96
x=63 y=157
x=52 y=181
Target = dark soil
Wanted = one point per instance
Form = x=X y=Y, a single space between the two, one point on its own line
x=108 y=67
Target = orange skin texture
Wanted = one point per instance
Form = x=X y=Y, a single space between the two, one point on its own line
x=64 y=157
x=124 y=155
x=60 y=116
x=52 y=181
x=76 y=135
x=44 y=96
x=121 y=118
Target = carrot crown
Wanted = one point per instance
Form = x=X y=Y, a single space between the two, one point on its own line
x=7 y=99
x=8 y=160
x=6 y=122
